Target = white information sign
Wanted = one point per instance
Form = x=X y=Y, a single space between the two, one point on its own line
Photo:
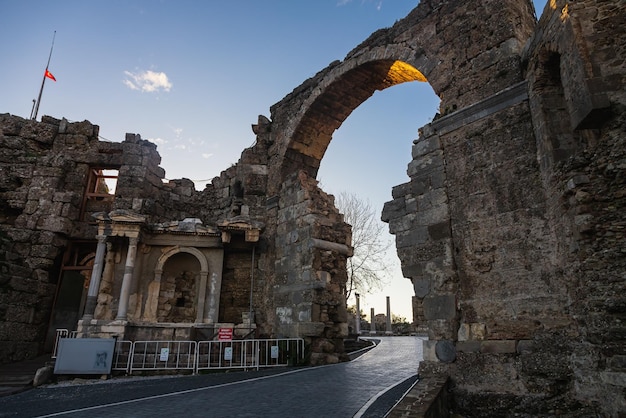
x=165 y=353
x=274 y=351
x=228 y=353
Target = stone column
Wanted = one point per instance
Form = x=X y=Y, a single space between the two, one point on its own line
x=389 y=330
x=214 y=285
x=94 y=282
x=373 y=322
x=214 y=298
x=358 y=313
x=128 y=278
x=201 y=297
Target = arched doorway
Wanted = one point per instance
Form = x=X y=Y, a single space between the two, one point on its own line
x=178 y=294
x=319 y=240
x=366 y=158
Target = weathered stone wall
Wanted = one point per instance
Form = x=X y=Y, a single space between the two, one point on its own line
x=313 y=243
x=236 y=285
x=576 y=68
x=520 y=293
x=44 y=170
x=511 y=225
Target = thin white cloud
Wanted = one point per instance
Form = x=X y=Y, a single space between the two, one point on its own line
x=147 y=81
x=207 y=155
x=379 y=3
x=158 y=141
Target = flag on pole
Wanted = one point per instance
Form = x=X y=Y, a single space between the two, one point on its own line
x=49 y=75
x=46 y=74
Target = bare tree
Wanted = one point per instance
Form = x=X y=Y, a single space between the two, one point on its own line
x=367 y=269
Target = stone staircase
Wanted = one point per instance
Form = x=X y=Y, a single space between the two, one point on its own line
x=17 y=377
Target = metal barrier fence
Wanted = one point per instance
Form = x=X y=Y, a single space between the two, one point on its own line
x=122 y=356
x=163 y=355
x=195 y=356
x=249 y=354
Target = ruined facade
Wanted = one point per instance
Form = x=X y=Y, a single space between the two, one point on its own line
x=510 y=226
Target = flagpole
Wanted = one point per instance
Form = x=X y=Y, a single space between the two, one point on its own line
x=34 y=116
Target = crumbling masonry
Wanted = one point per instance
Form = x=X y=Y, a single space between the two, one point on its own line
x=511 y=225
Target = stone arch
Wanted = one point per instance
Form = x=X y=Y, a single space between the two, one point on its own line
x=336 y=97
x=204 y=264
x=200 y=302
x=466 y=67
x=433 y=40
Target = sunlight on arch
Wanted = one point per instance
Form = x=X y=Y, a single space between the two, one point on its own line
x=401 y=72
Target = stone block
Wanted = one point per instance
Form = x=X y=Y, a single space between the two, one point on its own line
x=425 y=164
x=442 y=328
x=439 y=231
x=415 y=236
x=470 y=346
x=434 y=214
x=498 y=346
x=478 y=331
x=421 y=287
x=401 y=190
x=394 y=209
x=440 y=307
x=423 y=146
x=428 y=347
x=401 y=224
x=419 y=185
x=55 y=224
x=305 y=329
x=304 y=312
x=464 y=332
x=437 y=179
x=413 y=270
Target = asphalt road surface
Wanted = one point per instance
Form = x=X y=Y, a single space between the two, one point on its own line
x=365 y=387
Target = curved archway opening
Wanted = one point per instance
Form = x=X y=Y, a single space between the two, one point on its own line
x=338 y=100
x=367 y=156
x=179 y=288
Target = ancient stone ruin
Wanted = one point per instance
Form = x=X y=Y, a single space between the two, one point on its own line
x=511 y=225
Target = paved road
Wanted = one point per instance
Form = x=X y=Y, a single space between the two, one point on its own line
x=341 y=390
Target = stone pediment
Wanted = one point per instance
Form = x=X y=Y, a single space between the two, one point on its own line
x=241 y=223
x=126 y=216
x=186 y=226
x=119 y=215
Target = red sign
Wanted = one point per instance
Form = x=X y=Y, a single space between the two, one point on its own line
x=225 y=334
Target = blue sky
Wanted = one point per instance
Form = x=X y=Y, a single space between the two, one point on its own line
x=192 y=76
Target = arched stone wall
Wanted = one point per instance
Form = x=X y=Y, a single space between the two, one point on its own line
x=437 y=42
x=341 y=91
x=464 y=59
x=204 y=264
x=152 y=304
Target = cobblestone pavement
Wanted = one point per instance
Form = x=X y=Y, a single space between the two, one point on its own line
x=341 y=390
